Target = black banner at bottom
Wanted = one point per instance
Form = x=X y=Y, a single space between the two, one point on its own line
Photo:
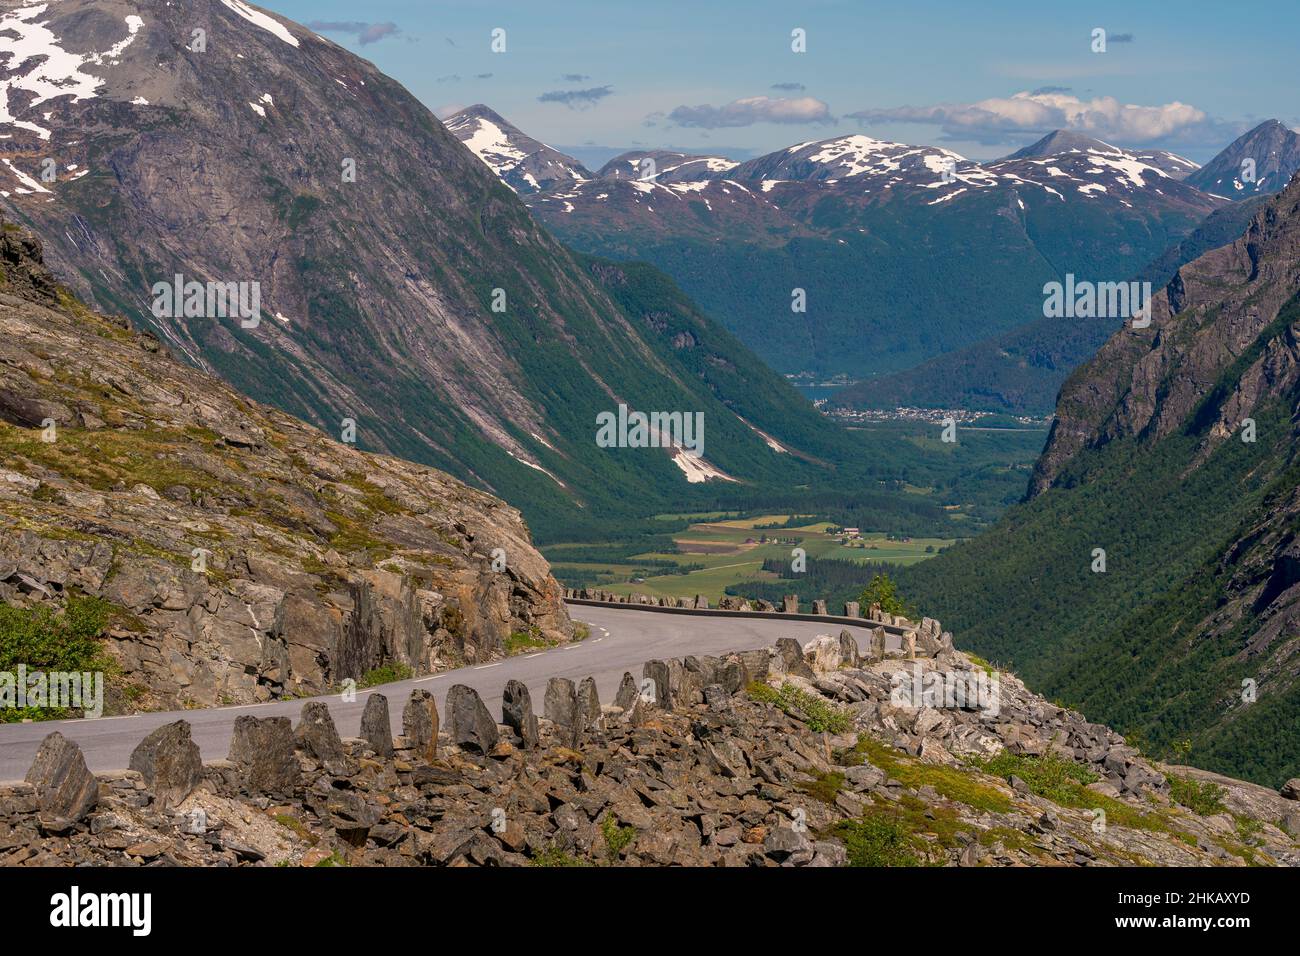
x=141 y=906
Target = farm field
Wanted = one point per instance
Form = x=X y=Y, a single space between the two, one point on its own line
x=721 y=550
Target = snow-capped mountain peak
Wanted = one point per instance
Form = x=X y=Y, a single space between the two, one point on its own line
x=668 y=166
x=848 y=157
x=524 y=164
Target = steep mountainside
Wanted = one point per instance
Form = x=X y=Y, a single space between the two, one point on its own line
x=241 y=554
x=1022 y=371
x=1173 y=452
x=1273 y=149
x=904 y=252
x=402 y=287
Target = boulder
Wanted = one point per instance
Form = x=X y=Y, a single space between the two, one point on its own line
x=790 y=656
x=561 y=708
x=782 y=843
x=169 y=761
x=790 y=603
x=1291 y=789
x=420 y=724
x=627 y=692
x=851 y=609
x=317 y=736
x=376 y=728
x=66 y=790
x=819 y=607
x=468 y=722
x=589 y=702
x=262 y=749
x=822 y=654
x=849 y=653
x=517 y=713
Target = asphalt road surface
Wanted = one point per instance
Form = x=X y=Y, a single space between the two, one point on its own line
x=621 y=640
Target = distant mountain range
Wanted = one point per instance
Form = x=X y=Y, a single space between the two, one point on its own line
x=469 y=339
x=922 y=270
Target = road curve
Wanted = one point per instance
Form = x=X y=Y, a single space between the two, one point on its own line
x=622 y=639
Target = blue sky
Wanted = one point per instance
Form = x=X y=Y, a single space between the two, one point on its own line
x=982 y=78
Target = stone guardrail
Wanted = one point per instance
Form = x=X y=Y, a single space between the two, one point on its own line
x=727 y=612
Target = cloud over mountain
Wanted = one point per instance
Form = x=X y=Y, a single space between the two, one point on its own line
x=994 y=120
x=576 y=99
x=366 y=33
x=751 y=110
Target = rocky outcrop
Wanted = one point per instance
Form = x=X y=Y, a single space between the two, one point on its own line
x=242 y=555
x=1147 y=382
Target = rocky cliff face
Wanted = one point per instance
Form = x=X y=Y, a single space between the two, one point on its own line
x=245 y=555
x=1146 y=383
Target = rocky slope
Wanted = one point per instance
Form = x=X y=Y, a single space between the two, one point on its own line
x=1173 y=457
x=402 y=286
x=243 y=554
x=785 y=756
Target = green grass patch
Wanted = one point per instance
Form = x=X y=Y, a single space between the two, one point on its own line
x=879 y=840
x=824 y=787
x=555 y=857
x=950 y=782
x=522 y=641
x=818 y=714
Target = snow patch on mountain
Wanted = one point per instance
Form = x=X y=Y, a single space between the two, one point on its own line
x=52 y=72
x=260 y=19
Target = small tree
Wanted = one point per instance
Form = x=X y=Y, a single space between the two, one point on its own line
x=883 y=591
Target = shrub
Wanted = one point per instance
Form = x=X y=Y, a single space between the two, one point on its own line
x=616 y=837
x=877 y=840
x=1204 y=798
x=44 y=640
x=385 y=674
x=883 y=591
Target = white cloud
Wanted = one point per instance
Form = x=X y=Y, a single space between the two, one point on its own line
x=996 y=119
x=753 y=109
